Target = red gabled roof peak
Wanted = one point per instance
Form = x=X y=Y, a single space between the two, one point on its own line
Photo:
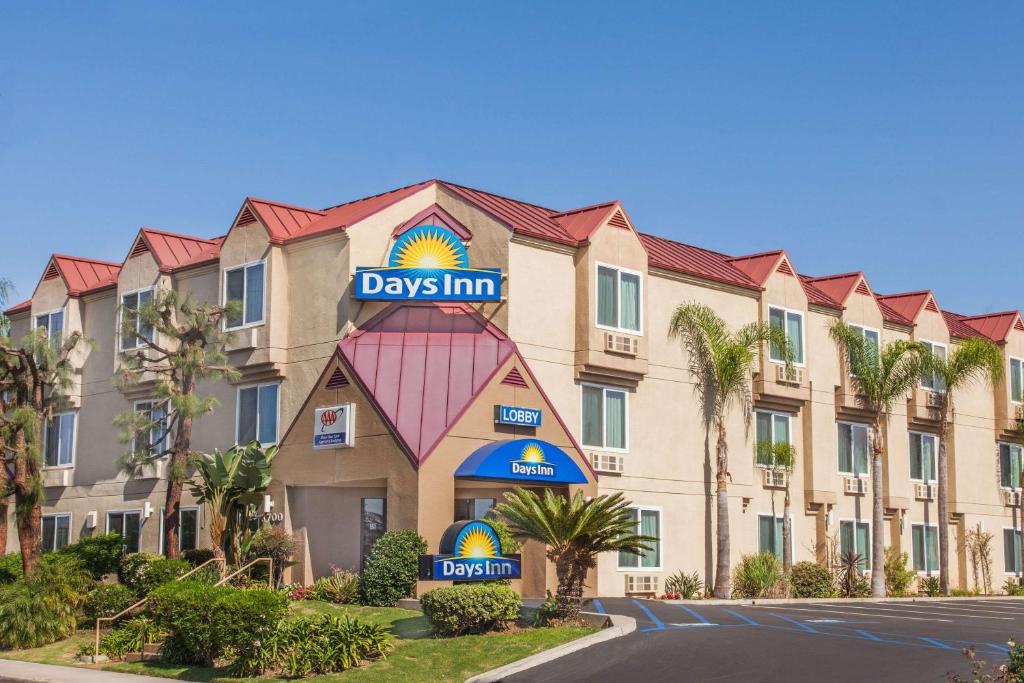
x=83 y=275
x=174 y=251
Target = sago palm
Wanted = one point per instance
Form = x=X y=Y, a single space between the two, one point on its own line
x=975 y=360
x=880 y=378
x=575 y=532
x=721 y=362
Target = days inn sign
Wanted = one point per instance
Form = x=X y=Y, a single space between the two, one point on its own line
x=428 y=263
x=470 y=551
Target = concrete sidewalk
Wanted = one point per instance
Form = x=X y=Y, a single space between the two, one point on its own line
x=12 y=671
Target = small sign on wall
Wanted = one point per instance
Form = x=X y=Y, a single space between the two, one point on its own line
x=514 y=415
x=333 y=426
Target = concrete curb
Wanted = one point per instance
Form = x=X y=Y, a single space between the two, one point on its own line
x=811 y=601
x=620 y=626
x=14 y=671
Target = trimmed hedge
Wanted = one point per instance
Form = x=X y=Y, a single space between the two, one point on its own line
x=392 y=569
x=107 y=599
x=471 y=608
x=100 y=554
x=144 y=572
x=811 y=580
x=204 y=621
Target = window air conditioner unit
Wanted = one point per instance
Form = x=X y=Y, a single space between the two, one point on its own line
x=621 y=343
x=90 y=519
x=792 y=376
x=856 y=486
x=776 y=479
x=924 y=491
x=933 y=399
x=58 y=477
x=1019 y=413
x=610 y=463
x=1011 y=498
x=641 y=583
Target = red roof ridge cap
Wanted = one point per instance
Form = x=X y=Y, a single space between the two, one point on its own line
x=494 y=194
x=986 y=315
x=209 y=240
x=901 y=295
x=86 y=259
x=591 y=207
x=285 y=206
x=760 y=254
x=819 y=278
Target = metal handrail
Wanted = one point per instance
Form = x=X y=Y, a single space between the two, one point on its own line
x=270 y=571
x=144 y=600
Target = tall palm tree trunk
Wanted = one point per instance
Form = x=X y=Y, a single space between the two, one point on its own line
x=4 y=507
x=877 y=532
x=722 y=587
x=28 y=514
x=943 y=476
x=787 y=534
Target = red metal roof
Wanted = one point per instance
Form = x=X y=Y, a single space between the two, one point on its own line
x=904 y=307
x=173 y=251
x=83 y=275
x=758 y=267
x=995 y=326
x=521 y=217
x=839 y=287
x=283 y=221
x=19 y=308
x=957 y=326
x=580 y=224
x=691 y=260
x=422 y=364
x=816 y=295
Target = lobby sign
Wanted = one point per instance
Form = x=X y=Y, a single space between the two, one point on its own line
x=333 y=426
x=514 y=415
x=470 y=551
x=428 y=263
x=527 y=460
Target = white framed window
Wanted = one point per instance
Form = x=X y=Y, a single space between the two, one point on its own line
x=605 y=412
x=930 y=380
x=792 y=323
x=922 y=457
x=53 y=323
x=872 y=339
x=1011 y=456
x=855 y=535
x=59 y=440
x=155 y=440
x=246 y=285
x=771 y=427
x=56 y=531
x=131 y=301
x=128 y=524
x=925 y=546
x=619 y=299
x=648 y=523
x=852 y=448
x=188 y=528
x=769 y=534
x=1017 y=380
x=1011 y=551
x=473 y=508
x=257 y=414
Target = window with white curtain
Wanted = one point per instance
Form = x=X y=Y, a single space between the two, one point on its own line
x=922 y=457
x=930 y=380
x=257 y=414
x=769 y=534
x=856 y=537
x=619 y=299
x=59 y=441
x=853 y=448
x=648 y=523
x=130 y=303
x=1017 y=380
x=1011 y=551
x=771 y=428
x=925 y=544
x=792 y=323
x=245 y=285
x=605 y=417
x=1010 y=456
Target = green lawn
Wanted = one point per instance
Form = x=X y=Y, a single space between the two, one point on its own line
x=417 y=655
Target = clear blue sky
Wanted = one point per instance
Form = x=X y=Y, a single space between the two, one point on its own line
x=878 y=136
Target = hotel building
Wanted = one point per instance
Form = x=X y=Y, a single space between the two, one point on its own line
x=578 y=332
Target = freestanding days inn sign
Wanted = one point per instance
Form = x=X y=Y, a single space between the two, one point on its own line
x=428 y=263
x=470 y=551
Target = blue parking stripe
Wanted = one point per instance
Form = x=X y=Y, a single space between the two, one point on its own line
x=650 y=615
x=598 y=606
x=695 y=614
x=937 y=643
x=868 y=635
x=742 y=616
x=802 y=625
x=1001 y=648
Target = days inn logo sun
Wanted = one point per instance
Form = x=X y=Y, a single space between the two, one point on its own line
x=429 y=248
x=428 y=263
x=531 y=462
x=477 y=543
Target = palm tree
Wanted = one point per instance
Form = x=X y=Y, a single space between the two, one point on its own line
x=575 y=532
x=976 y=359
x=880 y=378
x=781 y=457
x=721 y=363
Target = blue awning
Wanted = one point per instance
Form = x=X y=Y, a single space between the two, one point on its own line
x=527 y=460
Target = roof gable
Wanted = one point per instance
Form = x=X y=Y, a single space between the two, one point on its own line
x=173 y=251
x=907 y=307
x=759 y=267
x=581 y=223
x=839 y=288
x=81 y=275
x=995 y=326
x=435 y=215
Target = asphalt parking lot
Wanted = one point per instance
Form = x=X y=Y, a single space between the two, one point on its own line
x=835 y=641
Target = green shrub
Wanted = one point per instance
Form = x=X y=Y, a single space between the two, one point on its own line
x=158 y=572
x=470 y=608
x=687 y=585
x=964 y=593
x=133 y=636
x=43 y=608
x=392 y=568
x=275 y=543
x=204 y=621
x=897 y=577
x=10 y=568
x=108 y=599
x=100 y=554
x=852 y=583
x=313 y=645
x=929 y=585
x=341 y=587
x=197 y=556
x=1012 y=587
x=510 y=545
x=811 y=580
x=758 y=576
x=132 y=566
